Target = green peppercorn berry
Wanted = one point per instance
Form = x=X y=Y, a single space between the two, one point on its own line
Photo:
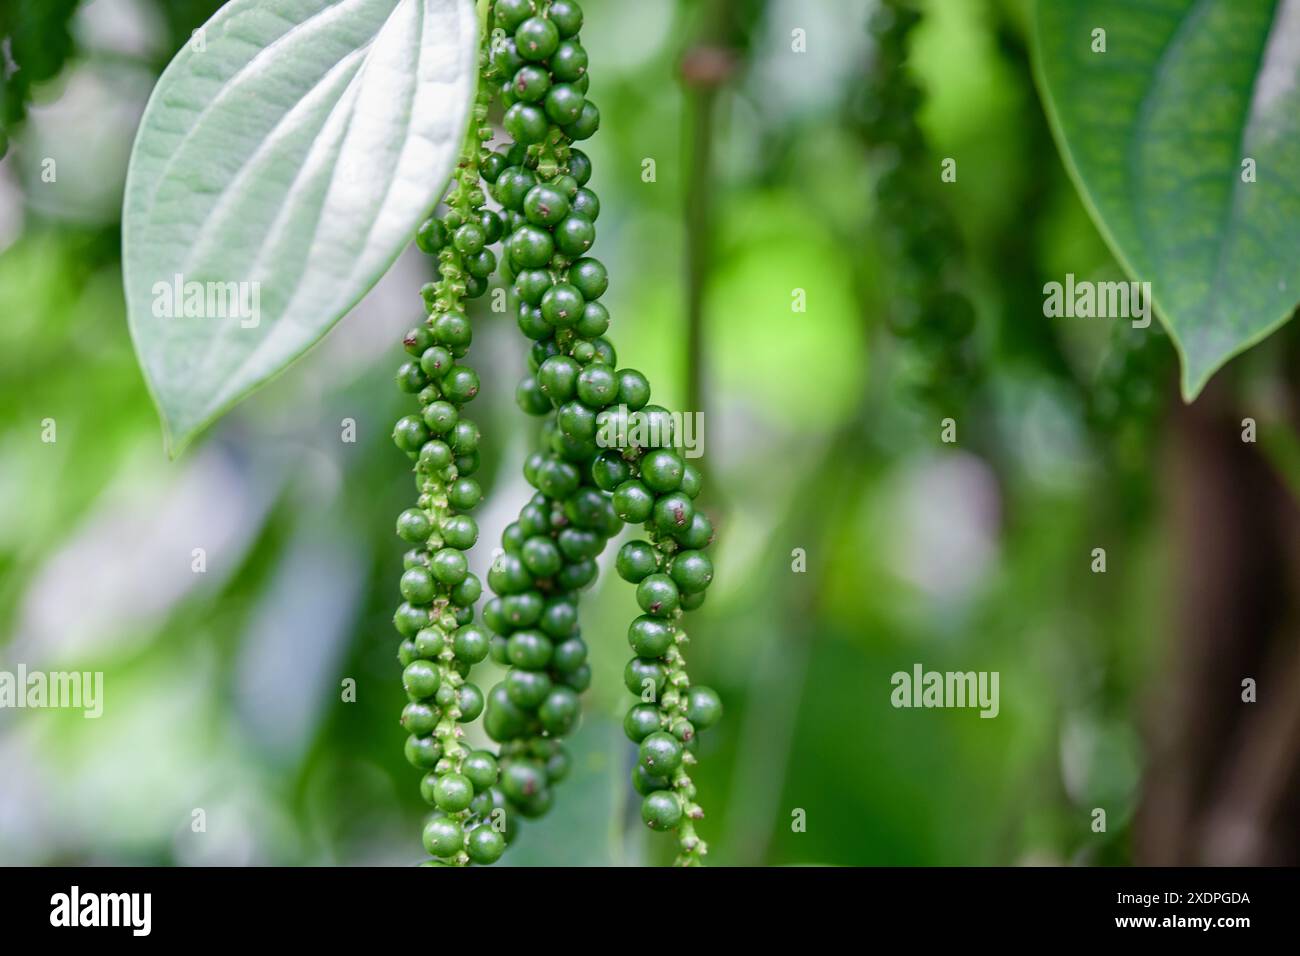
x=529 y=649
x=643 y=674
x=566 y=15
x=431 y=236
x=421 y=680
x=411 y=378
x=597 y=385
x=574 y=235
x=512 y=186
x=585 y=126
x=557 y=765
x=464 y=494
x=440 y=417
x=673 y=513
x=449 y=566
x=469 y=238
x=531 y=248
x=585 y=508
x=469 y=701
x=646 y=783
x=503 y=720
x=521 y=780
x=408 y=619
x=536 y=38
x=559 y=711
x=697 y=534
x=493 y=227
x=467 y=593
x=417 y=340
x=661 y=470
x=636 y=560
x=586 y=204
x=661 y=810
x=569 y=62
x=484 y=845
x=511 y=13
x=481 y=769
x=579 y=678
x=640 y=722
x=529 y=397
x=443 y=837
x=658 y=595
x=557 y=377
x=481 y=264
x=661 y=753
x=579 y=165
x=459 y=531
x=569 y=655
x=460 y=384
x=541 y=351
x=691 y=570
x=470 y=643
x=577 y=575
x=532 y=324
x=530 y=83
x=465 y=437
x=609 y=470
x=429 y=642
x=649 y=637
x=409 y=434
x=633 y=501
x=531 y=284
x=594 y=320
x=509 y=574
x=558 y=479
x=605 y=353
x=576 y=420
x=544 y=205
x=453 y=330
x=562 y=305
x=453 y=792
x=435 y=456
x=692 y=480
x=564 y=103
x=413 y=525
x=559 y=619
x=423 y=752
x=417 y=586
x=541 y=556
x=435 y=361
x=589 y=277
x=419 y=718
x=526 y=123
x=523 y=610
x=703 y=707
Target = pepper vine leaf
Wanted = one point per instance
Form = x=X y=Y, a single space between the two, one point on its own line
x=1180 y=123
x=284 y=160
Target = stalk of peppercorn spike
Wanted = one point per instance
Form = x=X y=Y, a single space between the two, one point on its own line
x=548 y=555
x=440 y=641
x=919 y=234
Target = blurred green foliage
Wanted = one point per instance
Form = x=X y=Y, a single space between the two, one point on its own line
x=223 y=688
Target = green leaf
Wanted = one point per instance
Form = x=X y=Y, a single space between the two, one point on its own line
x=1156 y=130
x=285 y=159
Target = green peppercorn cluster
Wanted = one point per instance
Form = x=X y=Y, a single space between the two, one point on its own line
x=920 y=237
x=585 y=491
x=440 y=641
x=672 y=572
